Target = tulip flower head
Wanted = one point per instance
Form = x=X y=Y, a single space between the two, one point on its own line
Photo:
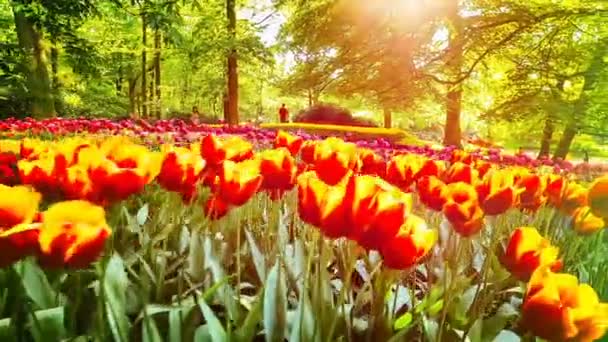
x=18 y=242
x=73 y=234
x=371 y=162
x=181 y=171
x=18 y=205
x=404 y=170
x=526 y=251
x=239 y=182
x=461 y=172
x=334 y=159
x=293 y=143
x=412 y=242
x=432 y=192
x=533 y=195
x=598 y=197
x=575 y=196
x=462 y=209
x=557 y=308
x=278 y=169
x=586 y=222
x=497 y=192
x=216 y=150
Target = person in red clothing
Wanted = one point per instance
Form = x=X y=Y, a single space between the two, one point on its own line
x=283 y=114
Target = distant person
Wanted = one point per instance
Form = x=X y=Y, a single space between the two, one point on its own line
x=283 y=114
x=194 y=117
x=586 y=156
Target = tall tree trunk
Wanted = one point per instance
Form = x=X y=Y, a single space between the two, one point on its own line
x=233 y=82
x=144 y=62
x=157 y=78
x=38 y=80
x=310 y=100
x=388 y=117
x=225 y=102
x=452 y=131
x=151 y=99
x=119 y=80
x=133 y=97
x=591 y=76
x=563 y=147
x=55 y=76
x=545 y=144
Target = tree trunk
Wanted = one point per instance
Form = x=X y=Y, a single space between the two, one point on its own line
x=545 y=144
x=388 y=118
x=591 y=76
x=55 y=76
x=233 y=83
x=144 y=62
x=563 y=147
x=452 y=131
x=151 y=99
x=157 y=79
x=310 y=100
x=34 y=62
x=133 y=97
x=226 y=110
x=119 y=80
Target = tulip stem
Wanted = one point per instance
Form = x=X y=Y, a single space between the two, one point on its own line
x=238 y=261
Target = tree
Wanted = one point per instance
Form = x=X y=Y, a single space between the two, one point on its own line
x=232 y=101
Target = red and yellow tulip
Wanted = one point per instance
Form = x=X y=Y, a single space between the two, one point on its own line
x=557 y=308
x=292 y=143
x=412 y=242
x=72 y=234
x=462 y=209
x=238 y=182
x=526 y=251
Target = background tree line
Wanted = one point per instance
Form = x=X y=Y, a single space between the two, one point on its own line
x=535 y=69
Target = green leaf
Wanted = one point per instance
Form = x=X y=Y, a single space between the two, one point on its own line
x=150 y=331
x=196 y=257
x=247 y=331
x=403 y=298
x=431 y=329
x=6 y=330
x=404 y=321
x=142 y=215
x=226 y=293
x=175 y=324
x=275 y=305
x=216 y=330
x=495 y=324
x=258 y=258
x=48 y=324
x=155 y=309
x=507 y=336
x=115 y=285
x=282 y=230
x=202 y=334
x=303 y=327
x=36 y=284
x=436 y=308
x=475 y=332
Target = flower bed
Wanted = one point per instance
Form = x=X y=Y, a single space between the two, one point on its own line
x=183 y=133
x=225 y=239
x=393 y=135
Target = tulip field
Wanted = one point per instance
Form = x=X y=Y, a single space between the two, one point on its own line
x=171 y=231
